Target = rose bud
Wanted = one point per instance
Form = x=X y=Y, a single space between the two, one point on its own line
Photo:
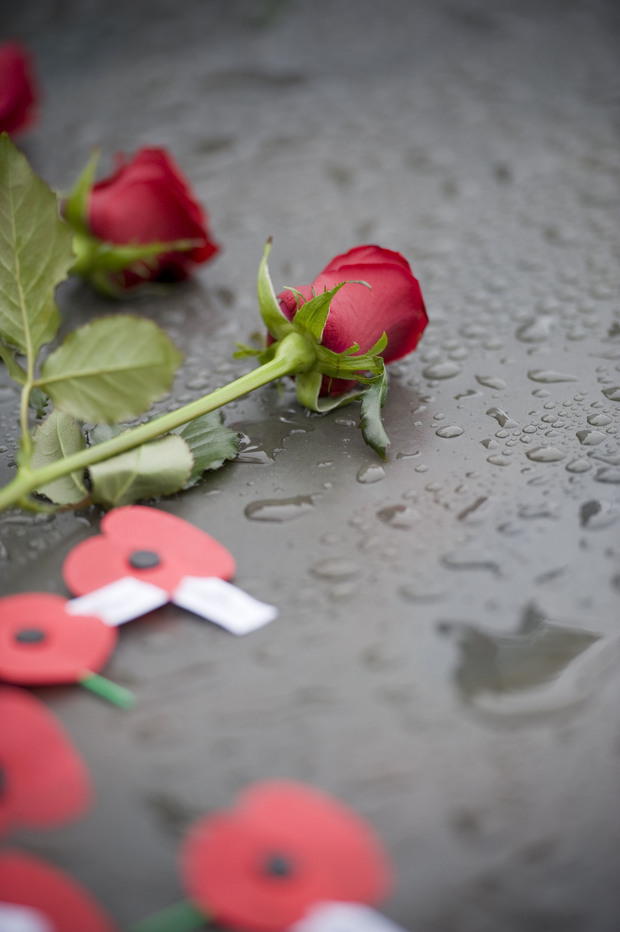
x=381 y=296
x=18 y=90
x=141 y=224
x=364 y=310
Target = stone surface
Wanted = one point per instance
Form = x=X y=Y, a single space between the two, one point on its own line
x=446 y=656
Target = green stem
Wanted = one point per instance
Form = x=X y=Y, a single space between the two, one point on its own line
x=182 y=917
x=106 y=689
x=293 y=355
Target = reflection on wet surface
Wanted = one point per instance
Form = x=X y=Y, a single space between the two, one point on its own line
x=535 y=654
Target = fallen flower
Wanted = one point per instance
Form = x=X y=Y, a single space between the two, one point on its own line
x=383 y=297
x=284 y=847
x=42 y=643
x=53 y=897
x=141 y=224
x=147 y=544
x=19 y=94
x=43 y=780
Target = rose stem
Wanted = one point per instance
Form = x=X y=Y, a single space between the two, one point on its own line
x=106 y=689
x=182 y=917
x=293 y=355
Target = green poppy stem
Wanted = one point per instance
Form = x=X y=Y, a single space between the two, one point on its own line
x=293 y=355
x=107 y=690
x=182 y=917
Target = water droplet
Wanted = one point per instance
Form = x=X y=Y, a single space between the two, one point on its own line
x=544 y=455
x=421 y=468
x=535 y=330
x=609 y=474
x=399 y=516
x=590 y=438
x=441 y=370
x=498 y=460
x=540 y=510
x=467 y=559
x=550 y=375
x=371 y=473
x=335 y=569
x=503 y=419
x=477 y=512
x=491 y=381
x=598 y=514
x=280 y=510
x=421 y=590
x=612 y=393
x=449 y=431
x=598 y=420
x=579 y=465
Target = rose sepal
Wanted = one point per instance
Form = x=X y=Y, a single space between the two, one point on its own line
x=274 y=319
x=308 y=388
x=75 y=206
x=371 y=424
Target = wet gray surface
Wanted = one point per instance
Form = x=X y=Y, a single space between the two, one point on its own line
x=447 y=653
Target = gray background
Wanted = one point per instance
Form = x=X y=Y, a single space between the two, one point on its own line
x=446 y=654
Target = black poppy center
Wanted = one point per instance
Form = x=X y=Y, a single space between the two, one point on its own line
x=144 y=559
x=30 y=636
x=278 y=865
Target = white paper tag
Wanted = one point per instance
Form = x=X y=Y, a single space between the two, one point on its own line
x=344 y=917
x=23 y=919
x=224 y=604
x=119 y=601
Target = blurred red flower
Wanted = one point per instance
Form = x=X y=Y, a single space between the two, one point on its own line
x=149 y=200
x=284 y=847
x=43 y=779
x=150 y=545
x=18 y=89
x=28 y=881
x=41 y=643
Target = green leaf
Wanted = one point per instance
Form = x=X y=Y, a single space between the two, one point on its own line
x=371 y=424
x=276 y=322
x=57 y=437
x=157 y=468
x=35 y=254
x=111 y=369
x=38 y=401
x=211 y=443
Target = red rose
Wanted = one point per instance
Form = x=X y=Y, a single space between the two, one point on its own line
x=358 y=314
x=148 y=200
x=283 y=848
x=18 y=91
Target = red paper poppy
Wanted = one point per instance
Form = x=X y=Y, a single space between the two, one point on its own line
x=41 y=643
x=151 y=545
x=284 y=847
x=43 y=779
x=27 y=881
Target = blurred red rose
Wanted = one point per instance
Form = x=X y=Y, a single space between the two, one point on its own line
x=18 y=89
x=358 y=314
x=148 y=200
x=284 y=847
